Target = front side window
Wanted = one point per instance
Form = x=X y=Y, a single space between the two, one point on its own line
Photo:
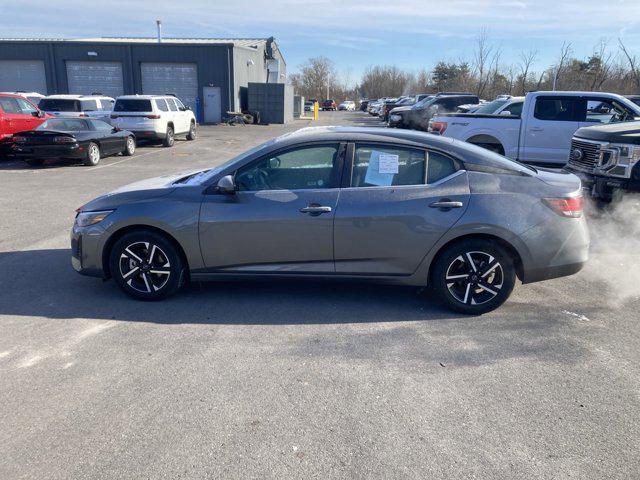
x=515 y=108
x=101 y=126
x=25 y=107
x=303 y=168
x=172 y=105
x=382 y=166
x=89 y=105
x=560 y=109
x=606 y=111
x=107 y=105
x=179 y=104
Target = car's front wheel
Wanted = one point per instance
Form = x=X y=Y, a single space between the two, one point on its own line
x=146 y=265
x=129 y=146
x=474 y=276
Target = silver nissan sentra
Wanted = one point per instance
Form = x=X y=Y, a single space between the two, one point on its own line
x=399 y=207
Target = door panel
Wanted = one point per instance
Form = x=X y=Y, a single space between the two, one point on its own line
x=212 y=105
x=389 y=230
x=265 y=231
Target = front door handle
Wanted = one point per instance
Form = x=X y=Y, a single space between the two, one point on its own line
x=536 y=129
x=445 y=204
x=315 y=210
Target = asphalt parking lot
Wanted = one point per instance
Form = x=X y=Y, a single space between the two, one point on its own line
x=302 y=380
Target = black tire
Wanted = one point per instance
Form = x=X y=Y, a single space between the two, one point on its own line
x=169 y=137
x=129 y=146
x=92 y=157
x=35 y=162
x=146 y=265
x=192 y=135
x=477 y=286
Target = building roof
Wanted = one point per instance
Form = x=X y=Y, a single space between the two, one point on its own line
x=240 y=42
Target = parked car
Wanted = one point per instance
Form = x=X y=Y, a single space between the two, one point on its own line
x=606 y=158
x=542 y=134
x=308 y=106
x=329 y=105
x=348 y=105
x=33 y=97
x=505 y=105
x=70 y=106
x=363 y=105
x=82 y=139
x=16 y=114
x=154 y=117
x=392 y=103
x=283 y=209
x=418 y=116
x=399 y=117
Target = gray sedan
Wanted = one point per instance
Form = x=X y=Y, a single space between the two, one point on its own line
x=398 y=207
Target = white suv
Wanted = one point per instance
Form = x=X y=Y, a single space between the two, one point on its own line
x=94 y=106
x=154 y=117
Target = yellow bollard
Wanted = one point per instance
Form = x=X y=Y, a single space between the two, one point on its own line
x=315 y=110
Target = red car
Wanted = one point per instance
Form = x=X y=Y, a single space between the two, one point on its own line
x=329 y=105
x=17 y=114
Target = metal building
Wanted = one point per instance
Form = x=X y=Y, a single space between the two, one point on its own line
x=209 y=75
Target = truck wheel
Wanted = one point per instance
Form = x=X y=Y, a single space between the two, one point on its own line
x=192 y=132
x=473 y=276
x=169 y=138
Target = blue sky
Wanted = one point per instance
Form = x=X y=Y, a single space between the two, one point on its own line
x=411 y=34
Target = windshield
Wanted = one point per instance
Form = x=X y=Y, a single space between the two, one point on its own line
x=492 y=107
x=59 y=105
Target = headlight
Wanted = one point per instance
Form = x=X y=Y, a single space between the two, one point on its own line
x=85 y=219
x=618 y=160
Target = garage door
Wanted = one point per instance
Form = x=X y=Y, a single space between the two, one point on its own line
x=25 y=75
x=85 y=78
x=180 y=79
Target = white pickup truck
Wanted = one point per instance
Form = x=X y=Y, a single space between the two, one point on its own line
x=542 y=133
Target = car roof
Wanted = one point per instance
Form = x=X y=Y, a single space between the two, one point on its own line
x=142 y=97
x=67 y=96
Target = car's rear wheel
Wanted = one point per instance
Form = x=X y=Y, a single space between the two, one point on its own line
x=129 y=146
x=192 y=132
x=92 y=157
x=474 y=276
x=169 y=138
x=146 y=265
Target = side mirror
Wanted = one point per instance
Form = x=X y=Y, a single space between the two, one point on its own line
x=115 y=129
x=505 y=113
x=38 y=114
x=226 y=185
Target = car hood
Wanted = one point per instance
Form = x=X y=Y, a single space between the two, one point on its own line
x=625 y=132
x=138 y=191
x=401 y=109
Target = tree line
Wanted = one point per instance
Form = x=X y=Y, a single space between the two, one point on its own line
x=610 y=67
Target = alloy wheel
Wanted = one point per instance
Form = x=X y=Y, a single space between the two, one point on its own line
x=94 y=153
x=474 y=277
x=131 y=146
x=145 y=267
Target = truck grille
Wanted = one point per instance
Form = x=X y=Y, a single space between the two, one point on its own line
x=588 y=157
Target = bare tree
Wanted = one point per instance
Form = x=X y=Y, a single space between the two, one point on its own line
x=485 y=61
x=565 y=51
x=633 y=64
x=526 y=61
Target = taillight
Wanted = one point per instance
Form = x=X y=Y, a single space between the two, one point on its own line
x=153 y=117
x=64 y=140
x=83 y=115
x=438 y=127
x=19 y=139
x=566 y=207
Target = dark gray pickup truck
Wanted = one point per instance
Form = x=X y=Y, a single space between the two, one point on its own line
x=607 y=158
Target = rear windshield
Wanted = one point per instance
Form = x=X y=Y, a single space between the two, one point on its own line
x=59 y=105
x=491 y=107
x=132 y=105
x=64 y=125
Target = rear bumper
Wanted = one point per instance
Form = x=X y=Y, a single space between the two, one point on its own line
x=47 y=151
x=148 y=134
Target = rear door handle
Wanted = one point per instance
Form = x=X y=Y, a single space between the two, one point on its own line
x=315 y=210
x=446 y=204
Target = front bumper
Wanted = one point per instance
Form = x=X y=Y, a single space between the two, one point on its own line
x=86 y=252
x=601 y=186
x=396 y=121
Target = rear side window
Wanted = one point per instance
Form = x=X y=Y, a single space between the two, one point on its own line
x=132 y=105
x=64 y=125
x=382 y=166
x=162 y=104
x=440 y=166
x=107 y=105
x=560 y=109
x=89 y=105
x=515 y=108
x=59 y=105
x=9 y=105
x=172 y=105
